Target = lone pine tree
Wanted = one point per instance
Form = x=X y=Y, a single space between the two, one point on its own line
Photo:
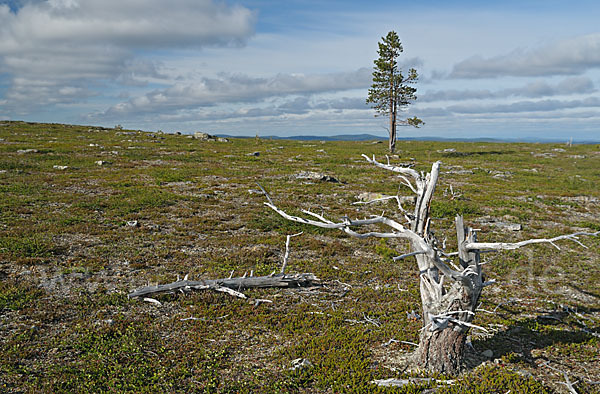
x=391 y=90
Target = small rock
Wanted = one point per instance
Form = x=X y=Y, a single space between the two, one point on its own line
x=60 y=167
x=315 y=176
x=501 y=174
x=102 y=163
x=133 y=223
x=546 y=155
x=412 y=315
x=153 y=227
x=487 y=353
x=202 y=136
x=490 y=221
x=459 y=172
x=300 y=363
x=27 y=151
x=581 y=199
x=329 y=178
x=253 y=154
x=558 y=150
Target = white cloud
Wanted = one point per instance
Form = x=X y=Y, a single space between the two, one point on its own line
x=133 y=24
x=536 y=89
x=565 y=57
x=526 y=106
x=239 y=88
x=76 y=42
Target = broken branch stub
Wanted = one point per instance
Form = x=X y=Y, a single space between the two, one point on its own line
x=449 y=296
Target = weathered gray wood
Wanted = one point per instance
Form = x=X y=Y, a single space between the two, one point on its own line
x=404 y=382
x=280 y=280
x=516 y=245
x=287 y=251
x=449 y=296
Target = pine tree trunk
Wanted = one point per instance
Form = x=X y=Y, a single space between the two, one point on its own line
x=392 y=109
x=392 y=142
x=446 y=305
x=441 y=351
x=442 y=341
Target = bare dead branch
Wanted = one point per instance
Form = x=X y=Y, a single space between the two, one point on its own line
x=407 y=183
x=227 y=285
x=384 y=198
x=287 y=250
x=265 y=193
x=517 y=245
x=152 y=301
x=567 y=381
x=401 y=232
x=421 y=212
x=400 y=170
x=403 y=256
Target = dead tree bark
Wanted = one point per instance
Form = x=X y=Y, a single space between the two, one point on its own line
x=450 y=283
x=239 y=283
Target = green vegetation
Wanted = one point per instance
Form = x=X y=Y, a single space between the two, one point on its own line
x=74 y=241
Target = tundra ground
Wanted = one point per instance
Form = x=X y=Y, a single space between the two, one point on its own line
x=88 y=214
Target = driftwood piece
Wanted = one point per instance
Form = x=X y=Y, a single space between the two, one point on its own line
x=230 y=285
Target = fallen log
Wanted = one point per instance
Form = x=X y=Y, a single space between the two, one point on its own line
x=233 y=285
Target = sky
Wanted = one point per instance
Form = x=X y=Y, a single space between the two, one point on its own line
x=509 y=69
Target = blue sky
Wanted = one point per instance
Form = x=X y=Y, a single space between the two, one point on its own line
x=516 y=69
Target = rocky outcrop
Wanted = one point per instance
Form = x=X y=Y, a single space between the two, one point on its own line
x=207 y=137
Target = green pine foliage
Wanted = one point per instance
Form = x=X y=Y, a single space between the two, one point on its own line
x=391 y=89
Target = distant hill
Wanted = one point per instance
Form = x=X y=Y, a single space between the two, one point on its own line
x=371 y=137
x=358 y=137
x=340 y=137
